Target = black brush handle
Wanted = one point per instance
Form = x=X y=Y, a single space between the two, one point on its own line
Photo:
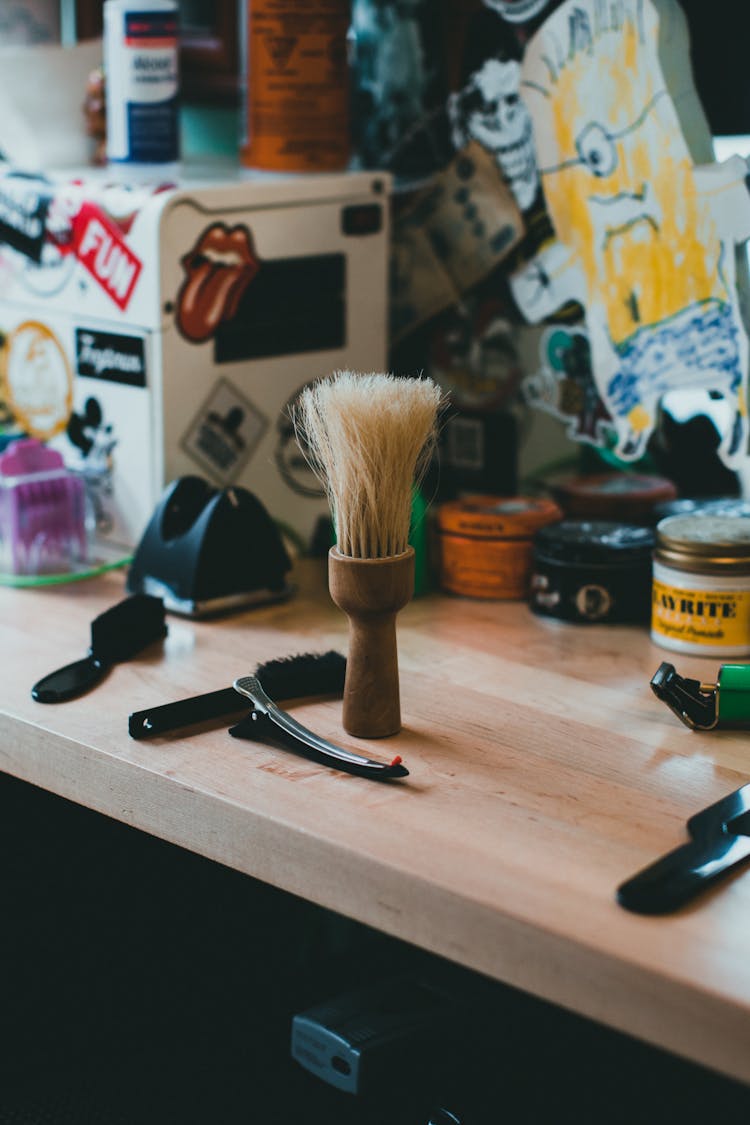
x=682 y=874
x=185 y=712
x=118 y=634
x=69 y=682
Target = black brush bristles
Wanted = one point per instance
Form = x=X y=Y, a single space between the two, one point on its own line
x=307 y=674
x=122 y=631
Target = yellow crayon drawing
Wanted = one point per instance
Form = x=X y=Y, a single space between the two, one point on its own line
x=645 y=236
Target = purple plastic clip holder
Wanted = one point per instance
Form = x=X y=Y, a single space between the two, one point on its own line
x=42 y=510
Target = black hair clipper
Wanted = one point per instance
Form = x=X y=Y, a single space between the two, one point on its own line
x=207 y=551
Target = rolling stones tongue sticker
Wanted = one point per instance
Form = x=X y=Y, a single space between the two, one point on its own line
x=218 y=270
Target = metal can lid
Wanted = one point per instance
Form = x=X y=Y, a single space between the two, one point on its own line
x=726 y=506
x=613 y=495
x=620 y=484
x=720 y=540
x=711 y=505
x=496 y=517
x=595 y=541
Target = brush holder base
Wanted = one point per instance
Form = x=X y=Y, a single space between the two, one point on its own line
x=371 y=592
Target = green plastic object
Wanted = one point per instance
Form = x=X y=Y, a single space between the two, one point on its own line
x=418 y=539
x=83 y=571
x=734 y=693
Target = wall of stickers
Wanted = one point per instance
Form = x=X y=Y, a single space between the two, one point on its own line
x=629 y=237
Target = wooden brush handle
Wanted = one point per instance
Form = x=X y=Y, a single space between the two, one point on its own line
x=371 y=592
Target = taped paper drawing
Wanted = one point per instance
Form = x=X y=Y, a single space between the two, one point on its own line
x=646 y=227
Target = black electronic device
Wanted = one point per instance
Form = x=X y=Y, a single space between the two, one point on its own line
x=208 y=550
x=358 y=1042
x=478 y=453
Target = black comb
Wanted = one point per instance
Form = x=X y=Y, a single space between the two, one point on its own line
x=116 y=635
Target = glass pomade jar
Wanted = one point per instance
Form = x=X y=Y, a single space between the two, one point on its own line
x=701 y=588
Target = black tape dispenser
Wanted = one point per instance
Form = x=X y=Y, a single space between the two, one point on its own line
x=209 y=550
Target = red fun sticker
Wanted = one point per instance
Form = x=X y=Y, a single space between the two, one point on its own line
x=100 y=247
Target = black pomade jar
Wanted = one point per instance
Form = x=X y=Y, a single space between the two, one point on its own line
x=592 y=571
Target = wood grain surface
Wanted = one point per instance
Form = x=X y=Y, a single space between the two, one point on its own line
x=543 y=772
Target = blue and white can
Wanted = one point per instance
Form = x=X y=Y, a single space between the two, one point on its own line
x=142 y=81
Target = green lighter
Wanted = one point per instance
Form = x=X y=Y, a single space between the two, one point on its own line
x=705 y=706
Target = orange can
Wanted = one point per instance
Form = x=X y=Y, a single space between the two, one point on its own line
x=297 y=85
x=485 y=544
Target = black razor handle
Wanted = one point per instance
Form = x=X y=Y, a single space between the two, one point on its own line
x=185 y=712
x=682 y=874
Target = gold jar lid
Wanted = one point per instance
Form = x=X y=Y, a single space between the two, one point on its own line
x=704 y=544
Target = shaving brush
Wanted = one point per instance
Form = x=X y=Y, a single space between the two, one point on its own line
x=369 y=439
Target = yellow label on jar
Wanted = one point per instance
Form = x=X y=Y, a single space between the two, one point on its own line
x=703 y=617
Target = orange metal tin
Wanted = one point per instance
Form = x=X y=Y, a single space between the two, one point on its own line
x=485 y=544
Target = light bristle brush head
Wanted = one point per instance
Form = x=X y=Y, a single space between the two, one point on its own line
x=369 y=438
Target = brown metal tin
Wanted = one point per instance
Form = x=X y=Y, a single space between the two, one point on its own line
x=624 y=497
x=485 y=544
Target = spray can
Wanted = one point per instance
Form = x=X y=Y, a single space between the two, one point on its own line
x=141 y=72
x=297 y=85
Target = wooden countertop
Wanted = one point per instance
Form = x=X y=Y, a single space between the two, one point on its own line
x=543 y=773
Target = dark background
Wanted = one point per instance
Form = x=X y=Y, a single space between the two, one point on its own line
x=720 y=48
x=143 y=985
